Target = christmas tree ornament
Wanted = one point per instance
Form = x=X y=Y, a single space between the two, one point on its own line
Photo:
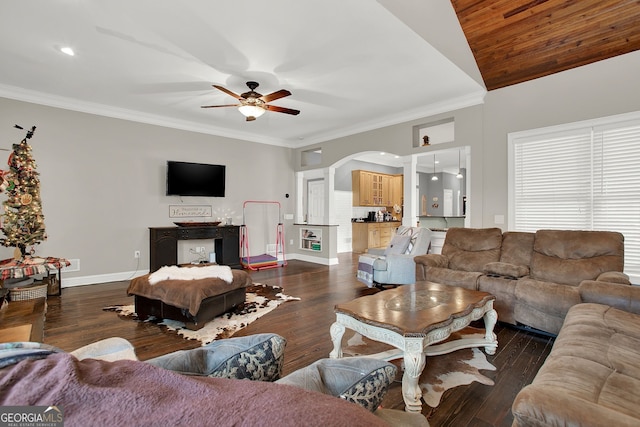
x=26 y=199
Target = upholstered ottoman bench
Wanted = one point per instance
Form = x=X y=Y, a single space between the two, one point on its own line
x=191 y=301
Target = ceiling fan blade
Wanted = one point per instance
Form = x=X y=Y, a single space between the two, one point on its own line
x=227 y=91
x=217 y=106
x=275 y=95
x=282 y=110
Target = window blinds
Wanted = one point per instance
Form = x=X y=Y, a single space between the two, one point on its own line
x=583 y=178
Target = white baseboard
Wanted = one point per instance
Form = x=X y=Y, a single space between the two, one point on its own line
x=70 y=282
x=314 y=259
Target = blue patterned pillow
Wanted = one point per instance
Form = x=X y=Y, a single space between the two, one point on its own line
x=360 y=380
x=256 y=357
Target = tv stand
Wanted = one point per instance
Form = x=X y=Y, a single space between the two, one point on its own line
x=163 y=244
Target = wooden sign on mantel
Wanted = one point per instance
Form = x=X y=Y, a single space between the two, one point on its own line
x=188 y=211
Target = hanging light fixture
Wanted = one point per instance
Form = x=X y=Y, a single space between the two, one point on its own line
x=251 y=111
x=434 y=177
x=459 y=175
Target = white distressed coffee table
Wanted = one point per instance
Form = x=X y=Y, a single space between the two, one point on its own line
x=413 y=319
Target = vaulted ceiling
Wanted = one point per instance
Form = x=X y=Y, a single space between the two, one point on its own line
x=516 y=41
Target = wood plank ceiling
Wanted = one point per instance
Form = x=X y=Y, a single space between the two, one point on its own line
x=514 y=41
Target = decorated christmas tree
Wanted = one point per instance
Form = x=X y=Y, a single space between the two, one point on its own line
x=22 y=221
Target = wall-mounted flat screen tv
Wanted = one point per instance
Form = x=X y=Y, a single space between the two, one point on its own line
x=195 y=179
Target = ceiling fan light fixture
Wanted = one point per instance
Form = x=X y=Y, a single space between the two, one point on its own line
x=251 y=111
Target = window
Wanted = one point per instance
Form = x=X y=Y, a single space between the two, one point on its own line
x=581 y=176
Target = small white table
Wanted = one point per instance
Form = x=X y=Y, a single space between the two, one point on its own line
x=413 y=319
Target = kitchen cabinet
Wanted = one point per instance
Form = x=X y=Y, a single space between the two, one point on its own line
x=362 y=186
x=367 y=235
x=376 y=189
x=397 y=190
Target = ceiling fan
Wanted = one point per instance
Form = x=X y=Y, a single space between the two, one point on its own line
x=253 y=104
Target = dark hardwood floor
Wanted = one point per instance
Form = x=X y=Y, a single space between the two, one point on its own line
x=76 y=318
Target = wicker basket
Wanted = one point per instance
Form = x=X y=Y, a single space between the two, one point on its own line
x=29 y=292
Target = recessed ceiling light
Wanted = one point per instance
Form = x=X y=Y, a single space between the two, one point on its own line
x=67 y=50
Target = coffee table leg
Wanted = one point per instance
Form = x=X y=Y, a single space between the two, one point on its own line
x=414 y=362
x=337 y=331
x=490 y=319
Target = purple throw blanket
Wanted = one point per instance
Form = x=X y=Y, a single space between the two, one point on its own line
x=94 y=392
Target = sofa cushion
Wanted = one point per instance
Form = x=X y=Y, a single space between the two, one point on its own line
x=361 y=380
x=256 y=357
x=550 y=297
x=470 y=249
x=517 y=247
x=591 y=377
x=543 y=305
x=569 y=256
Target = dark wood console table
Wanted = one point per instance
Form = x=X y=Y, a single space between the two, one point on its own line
x=163 y=244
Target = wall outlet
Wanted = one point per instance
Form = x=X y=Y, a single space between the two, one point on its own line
x=136 y=254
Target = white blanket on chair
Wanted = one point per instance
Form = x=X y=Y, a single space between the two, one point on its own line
x=173 y=272
x=365 y=269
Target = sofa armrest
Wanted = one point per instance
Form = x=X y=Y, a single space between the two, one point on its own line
x=376 y=251
x=423 y=262
x=614 y=277
x=432 y=260
x=504 y=269
x=623 y=297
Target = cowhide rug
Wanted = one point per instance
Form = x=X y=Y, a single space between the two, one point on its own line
x=260 y=300
x=440 y=373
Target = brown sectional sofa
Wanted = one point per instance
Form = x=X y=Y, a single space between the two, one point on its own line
x=568 y=283
x=592 y=376
x=536 y=277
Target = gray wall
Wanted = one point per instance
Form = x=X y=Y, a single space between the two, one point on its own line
x=103 y=183
x=600 y=89
x=597 y=90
